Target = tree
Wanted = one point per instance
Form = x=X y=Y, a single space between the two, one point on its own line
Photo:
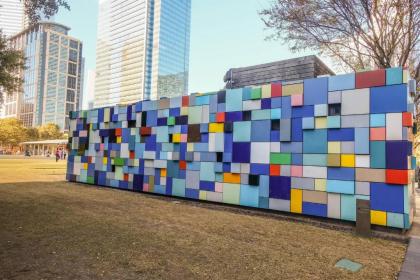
x=358 y=34
x=49 y=131
x=32 y=134
x=12 y=132
x=35 y=9
x=11 y=61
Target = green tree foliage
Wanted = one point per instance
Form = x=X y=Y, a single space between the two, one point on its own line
x=49 y=131
x=359 y=34
x=12 y=132
x=34 y=9
x=11 y=62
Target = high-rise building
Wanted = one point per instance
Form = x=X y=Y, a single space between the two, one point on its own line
x=12 y=19
x=52 y=78
x=142 y=50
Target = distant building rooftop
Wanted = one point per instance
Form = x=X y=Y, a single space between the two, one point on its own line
x=280 y=71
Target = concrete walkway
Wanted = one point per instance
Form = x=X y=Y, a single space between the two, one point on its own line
x=411 y=266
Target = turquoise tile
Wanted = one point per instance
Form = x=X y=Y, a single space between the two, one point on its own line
x=261 y=115
x=178 y=187
x=249 y=196
x=395 y=220
x=315 y=159
x=394 y=76
x=377 y=120
x=233 y=100
x=348 y=207
x=333 y=121
x=377 y=154
x=275 y=114
x=207 y=171
x=242 y=131
x=315 y=141
x=339 y=186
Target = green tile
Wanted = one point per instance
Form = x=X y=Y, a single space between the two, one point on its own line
x=256 y=93
x=280 y=158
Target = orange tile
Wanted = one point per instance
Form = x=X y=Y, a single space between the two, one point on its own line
x=232 y=178
x=182 y=164
x=163 y=172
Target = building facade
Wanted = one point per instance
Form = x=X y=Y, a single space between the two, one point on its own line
x=142 y=50
x=12 y=19
x=293 y=69
x=53 y=76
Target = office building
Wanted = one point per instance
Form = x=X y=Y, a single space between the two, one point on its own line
x=53 y=76
x=280 y=71
x=12 y=19
x=142 y=50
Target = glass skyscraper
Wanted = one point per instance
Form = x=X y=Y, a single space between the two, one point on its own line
x=142 y=50
x=52 y=84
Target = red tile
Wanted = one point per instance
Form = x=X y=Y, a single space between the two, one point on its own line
x=397 y=177
x=145 y=131
x=182 y=164
x=367 y=79
x=185 y=101
x=274 y=170
x=276 y=90
x=407 y=119
x=220 y=117
x=118 y=132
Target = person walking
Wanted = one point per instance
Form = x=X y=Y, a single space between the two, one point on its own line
x=64 y=154
x=57 y=155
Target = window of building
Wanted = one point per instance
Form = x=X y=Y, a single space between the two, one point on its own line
x=74 y=44
x=334 y=109
x=73 y=55
x=69 y=108
x=71 y=82
x=70 y=95
x=72 y=69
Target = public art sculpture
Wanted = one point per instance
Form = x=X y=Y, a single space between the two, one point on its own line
x=311 y=147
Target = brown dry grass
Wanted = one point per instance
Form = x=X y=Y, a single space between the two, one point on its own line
x=51 y=229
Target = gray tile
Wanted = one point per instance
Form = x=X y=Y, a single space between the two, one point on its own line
x=414 y=245
x=411 y=266
x=407 y=276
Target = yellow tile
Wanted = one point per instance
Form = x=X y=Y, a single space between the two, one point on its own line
x=176 y=138
x=320 y=122
x=334 y=147
x=216 y=127
x=184 y=111
x=190 y=147
x=202 y=195
x=347 y=160
x=405 y=76
x=85 y=166
x=266 y=91
x=118 y=139
x=105 y=160
x=378 y=217
x=292 y=89
x=296 y=201
x=321 y=185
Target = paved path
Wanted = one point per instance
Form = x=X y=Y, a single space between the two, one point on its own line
x=411 y=266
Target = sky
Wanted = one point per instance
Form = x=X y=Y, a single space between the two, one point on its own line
x=224 y=34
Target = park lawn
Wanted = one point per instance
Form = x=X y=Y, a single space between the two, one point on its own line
x=51 y=229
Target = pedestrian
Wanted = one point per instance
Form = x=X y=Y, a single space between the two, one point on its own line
x=65 y=154
x=57 y=155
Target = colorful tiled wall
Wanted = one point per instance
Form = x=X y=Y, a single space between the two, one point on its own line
x=312 y=147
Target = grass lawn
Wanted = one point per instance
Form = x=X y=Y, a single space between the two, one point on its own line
x=51 y=229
